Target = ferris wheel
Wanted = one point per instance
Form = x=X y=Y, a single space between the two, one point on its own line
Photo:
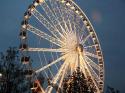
x=60 y=39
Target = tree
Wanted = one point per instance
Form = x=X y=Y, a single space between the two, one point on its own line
x=12 y=80
x=112 y=90
x=76 y=83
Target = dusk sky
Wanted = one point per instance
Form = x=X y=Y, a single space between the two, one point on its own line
x=107 y=17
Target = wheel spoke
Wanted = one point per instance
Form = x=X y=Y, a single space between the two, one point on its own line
x=46 y=23
x=57 y=11
x=82 y=67
x=91 y=54
x=85 y=39
x=90 y=74
x=55 y=79
x=57 y=8
x=42 y=63
x=65 y=17
x=91 y=46
x=43 y=35
x=90 y=62
x=62 y=77
x=45 y=50
x=52 y=18
x=51 y=45
x=94 y=73
x=74 y=63
x=52 y=63
x=72 y=18
x=49 y=12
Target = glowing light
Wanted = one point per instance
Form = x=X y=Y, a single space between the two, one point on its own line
x=0 y=74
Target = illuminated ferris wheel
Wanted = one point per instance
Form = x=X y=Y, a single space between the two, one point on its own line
x=60 y=39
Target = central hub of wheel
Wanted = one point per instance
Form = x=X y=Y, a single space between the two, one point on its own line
x=79 y=48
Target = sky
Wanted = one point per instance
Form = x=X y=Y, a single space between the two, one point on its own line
x=107 y=17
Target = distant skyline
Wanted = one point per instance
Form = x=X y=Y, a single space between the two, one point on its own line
x=107 y=17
